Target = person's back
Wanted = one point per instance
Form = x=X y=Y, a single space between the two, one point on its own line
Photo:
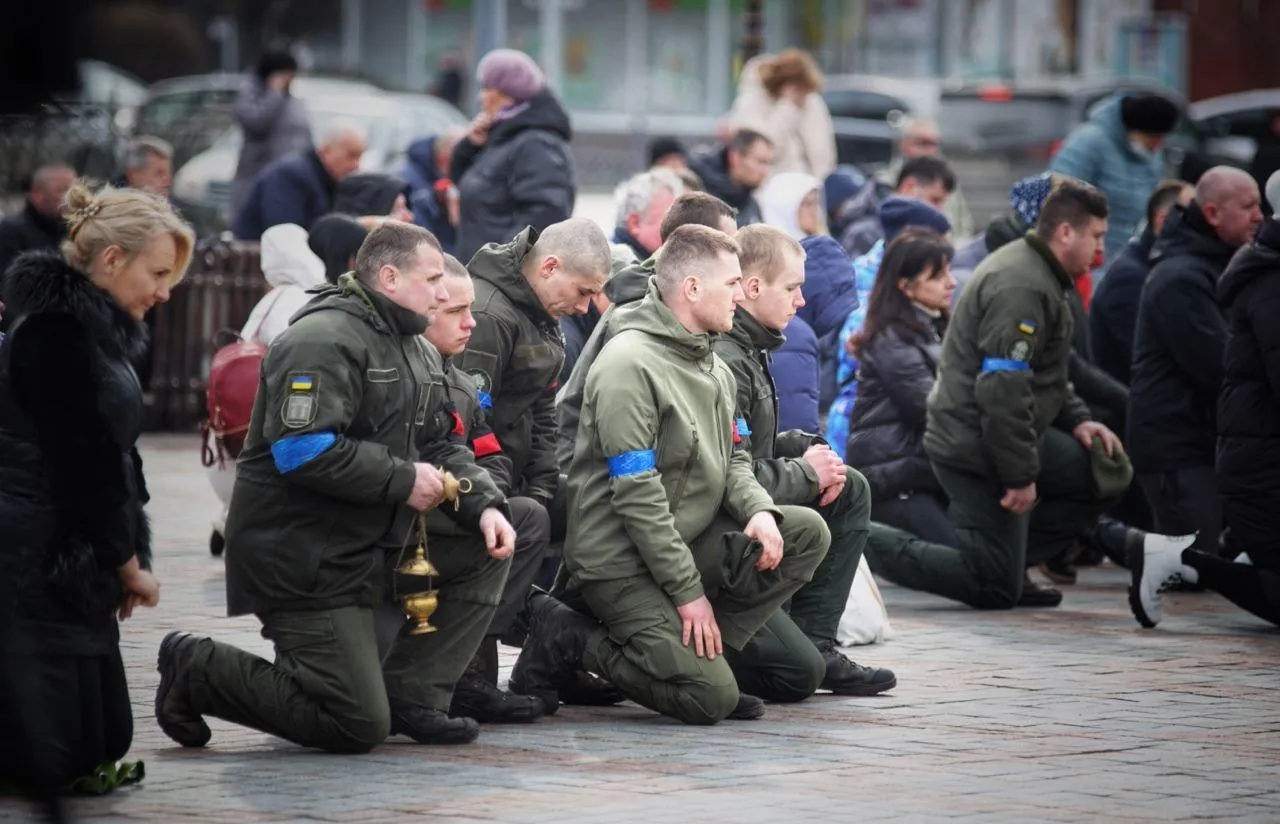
x=1248 y=454
x=274 y=122
x=292 y=269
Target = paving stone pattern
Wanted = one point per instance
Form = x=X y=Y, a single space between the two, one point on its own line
x=1072 y=714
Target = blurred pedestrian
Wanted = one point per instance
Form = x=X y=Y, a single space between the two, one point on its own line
x=148 y=166
x=921 y=138
x=514 y=168
x=733 y=171
x=668 y=152
x=274 y=122
x=336 y=239
x=778 y=97
x=39 y=225
x=433 y=196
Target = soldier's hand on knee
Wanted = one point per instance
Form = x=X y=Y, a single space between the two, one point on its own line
x=1087 y=431
x=499 y=535
x=700 y=625
x=825 y=462
x=428 y=487
x=829 y=495
x=763 y=527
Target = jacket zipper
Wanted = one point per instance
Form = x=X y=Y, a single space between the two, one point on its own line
x=684 y=473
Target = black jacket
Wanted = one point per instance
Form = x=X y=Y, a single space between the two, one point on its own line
x=523 y=176
x=294 y=189
x=1177 y=353
x=71 y=486
x=1113 y=313
x=367 y=194
x=896 y=372
x=1249 y=406
x=712 y=165
x=25 y=232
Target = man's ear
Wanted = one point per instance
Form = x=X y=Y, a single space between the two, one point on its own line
x=751 y=286
x=633 y=224
x=691 y=289
x=388 y=276
x=548 y=266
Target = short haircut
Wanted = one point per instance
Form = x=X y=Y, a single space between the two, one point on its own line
x=453 y=267
x=743 y=139
x=686 y=253
x=393 y=243
x=928 y=169
x=579 y=243
x=765 y=250
x=341 y=128
x=637 y=194
x=695 y=209
x=140 y=150
x=1072 y=202
x=1163 y=198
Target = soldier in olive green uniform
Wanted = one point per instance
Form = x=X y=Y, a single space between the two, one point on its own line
x=787 y=465
x=523 y=288
x=351 y=399
x=673 y=545
x=1000 y=413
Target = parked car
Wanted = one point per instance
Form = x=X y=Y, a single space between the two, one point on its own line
x=202 y=184
x=1231 y=125
x=866 y=111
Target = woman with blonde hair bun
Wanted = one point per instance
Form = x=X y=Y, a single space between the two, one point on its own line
x=778 y=97
x=76 y=552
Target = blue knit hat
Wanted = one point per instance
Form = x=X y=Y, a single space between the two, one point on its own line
x=898 y=214
x=1029 y=194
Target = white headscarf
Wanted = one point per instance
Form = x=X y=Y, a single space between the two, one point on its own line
x=780 y=197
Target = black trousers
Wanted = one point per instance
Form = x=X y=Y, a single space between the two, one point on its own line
x=1186 y=501
x=1254 y=587
x=923 y=514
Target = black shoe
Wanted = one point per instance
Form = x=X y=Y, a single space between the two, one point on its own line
x=1058 y=570
x=474 y=697
x=216 y=543
x=177 y=718
x=749 y=708
x=553 y=651
x=844 y=677
x=587 y=690
x=431 y=726
x=1035 y=595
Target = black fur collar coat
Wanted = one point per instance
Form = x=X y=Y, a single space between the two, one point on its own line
x=71 y=485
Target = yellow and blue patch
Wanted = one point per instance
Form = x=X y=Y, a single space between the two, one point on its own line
x=1026 y=327
x=301 y=383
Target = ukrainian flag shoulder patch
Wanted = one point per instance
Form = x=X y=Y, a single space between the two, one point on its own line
x=301 y=383
x=1026 y=327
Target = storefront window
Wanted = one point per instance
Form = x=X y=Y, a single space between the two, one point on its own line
x=677 y=56
x=594 y=74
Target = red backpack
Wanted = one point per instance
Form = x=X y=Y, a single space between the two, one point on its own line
x=232 y=388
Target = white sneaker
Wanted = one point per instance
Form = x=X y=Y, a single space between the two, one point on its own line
x=1155 y=566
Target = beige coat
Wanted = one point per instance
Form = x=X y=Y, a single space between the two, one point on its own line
x=803 y=138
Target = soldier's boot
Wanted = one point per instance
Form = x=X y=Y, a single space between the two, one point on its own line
x=553 y=651
x=431 y=726
x=844 y=677
x=177 y=717
x=749 y=708
x=477 y=696
x=587 y=690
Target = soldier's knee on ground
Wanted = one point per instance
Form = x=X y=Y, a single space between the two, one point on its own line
x=706 y=702
x=804 y=534
x=356 y=736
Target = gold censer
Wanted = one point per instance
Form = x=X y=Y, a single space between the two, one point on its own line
x=420 y=604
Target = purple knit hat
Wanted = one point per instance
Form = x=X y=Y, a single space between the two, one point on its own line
x=511 y=72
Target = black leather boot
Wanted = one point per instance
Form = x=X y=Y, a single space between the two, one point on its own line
x=177 y=717
x=430 y=726
x=477 y=696
x=553 y=651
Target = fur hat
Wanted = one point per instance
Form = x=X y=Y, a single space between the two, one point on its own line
x=1148 y=114
x=511 y=72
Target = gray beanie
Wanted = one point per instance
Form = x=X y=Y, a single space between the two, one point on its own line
x=511 y=72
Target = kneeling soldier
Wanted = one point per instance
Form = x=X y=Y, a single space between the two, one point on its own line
x=350 y=408
x=673 y=545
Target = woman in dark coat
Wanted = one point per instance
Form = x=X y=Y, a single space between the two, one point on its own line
x=513 y=169
x=76 y=546
x=898 y=351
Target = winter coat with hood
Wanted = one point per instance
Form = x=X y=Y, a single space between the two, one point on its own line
x=275 y=125
x=1099 y=152
x=897 y=370
x=71 y=485
x=523 y=176
x=865 y=270
x=350 y=397
x=1248 y=459
x=421 y=174
x=625 y=289
x=711 y=164
x=803 y=137
x=292 y=269
x=656 y=459
x=1177 y=350
x=515 y=355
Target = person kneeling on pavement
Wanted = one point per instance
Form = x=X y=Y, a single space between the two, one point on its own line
x=350 y=416
x=800 y=469
x=673 y=545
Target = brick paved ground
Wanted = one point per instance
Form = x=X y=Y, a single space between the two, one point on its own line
x=1072 y=714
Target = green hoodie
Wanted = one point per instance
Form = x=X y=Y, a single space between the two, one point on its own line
x=349 y=397
x=515 y=355
x=656 y=459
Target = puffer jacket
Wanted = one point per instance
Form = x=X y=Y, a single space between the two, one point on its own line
x=1098 y=152
x=71 y=485
x=292 y=269
x=523 y=176
x=865 y=269
x=657 y=459
x=886 y=437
